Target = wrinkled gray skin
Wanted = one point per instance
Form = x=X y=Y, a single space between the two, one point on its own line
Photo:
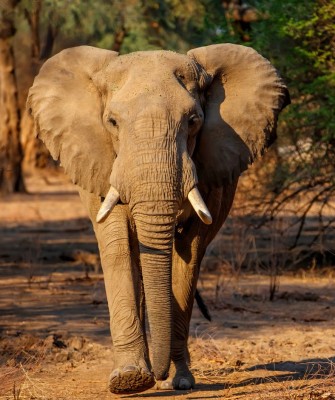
x=154 y=125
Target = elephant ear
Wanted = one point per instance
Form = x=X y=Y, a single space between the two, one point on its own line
x=67 y=107
x=243 y=97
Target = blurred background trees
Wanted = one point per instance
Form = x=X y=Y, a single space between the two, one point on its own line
x=11 y=179
x=298 y=37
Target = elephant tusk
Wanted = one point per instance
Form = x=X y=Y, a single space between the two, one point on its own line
x=199 y=206
x=108 y=204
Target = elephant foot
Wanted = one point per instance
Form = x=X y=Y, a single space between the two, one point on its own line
x=182 y=380
x=130 y=379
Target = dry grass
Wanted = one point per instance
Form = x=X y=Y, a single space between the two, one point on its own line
x=212 y=363
x=31 y=388
x=247 y=245
x=20 y=357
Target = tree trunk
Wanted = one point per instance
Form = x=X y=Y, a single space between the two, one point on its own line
x=36 y=154
x=119 y=35
x=11 y=179
x=33 y=18
x=52 y=32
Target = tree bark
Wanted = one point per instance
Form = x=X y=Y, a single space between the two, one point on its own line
x=33 y=19
x=11 y=179
x=52 y=32
x=240 y=16
x=119 y=35
x=36 y=154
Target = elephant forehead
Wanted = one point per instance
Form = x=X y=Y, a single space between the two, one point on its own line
x=150 y=65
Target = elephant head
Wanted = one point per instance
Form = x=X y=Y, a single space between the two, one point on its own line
x=143 y=128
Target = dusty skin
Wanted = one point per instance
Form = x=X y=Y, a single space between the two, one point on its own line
x=55 y=341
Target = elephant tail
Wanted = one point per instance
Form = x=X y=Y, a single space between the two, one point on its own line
x=202 y=306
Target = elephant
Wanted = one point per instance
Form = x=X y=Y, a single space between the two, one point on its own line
x=155 y=142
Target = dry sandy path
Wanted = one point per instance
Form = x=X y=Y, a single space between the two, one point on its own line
x=54 y=329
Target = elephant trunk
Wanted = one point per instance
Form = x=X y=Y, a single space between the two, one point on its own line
x=156 y=193
x=155 y=230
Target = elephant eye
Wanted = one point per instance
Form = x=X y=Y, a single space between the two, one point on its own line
x=194 y=124
x=193 y=120
x=112 y=121
x=181 y=78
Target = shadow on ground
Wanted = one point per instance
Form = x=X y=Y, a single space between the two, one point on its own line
x=315 y=368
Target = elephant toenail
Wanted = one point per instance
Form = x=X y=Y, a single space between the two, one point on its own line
x=165 y=385
x=130 y=368
x=115 y=374
x=145 y=371
x=184 y=384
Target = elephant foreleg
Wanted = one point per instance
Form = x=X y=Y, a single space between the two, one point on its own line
x=124 y=291
x=119 y=258
x=184 y=282
x=191 y=241
x=184 y=285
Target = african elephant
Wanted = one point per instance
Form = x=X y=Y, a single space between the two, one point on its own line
x=155 y=142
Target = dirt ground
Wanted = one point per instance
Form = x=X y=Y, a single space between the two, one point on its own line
x=54 y=327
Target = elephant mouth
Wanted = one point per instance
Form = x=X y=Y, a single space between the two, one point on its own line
x=194 y=198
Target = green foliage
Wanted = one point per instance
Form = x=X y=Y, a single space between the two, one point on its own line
x=144 y=24
x=170 y=24
x=299 y=37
